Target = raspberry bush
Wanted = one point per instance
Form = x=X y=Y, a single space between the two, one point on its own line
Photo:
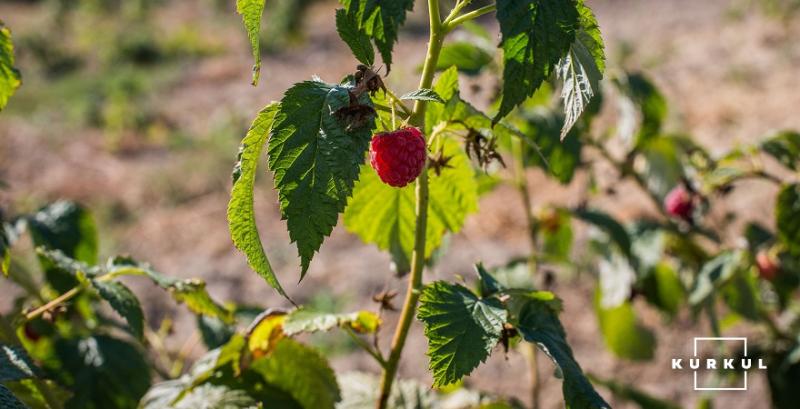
x=405 y=170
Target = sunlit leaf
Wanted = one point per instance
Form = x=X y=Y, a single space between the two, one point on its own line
x=9 y=76
x=251 y=12
x=466 y=56
x=304 y=320
x=389 y=223
x=622 y=332
x=423 y=95
x=241 y=215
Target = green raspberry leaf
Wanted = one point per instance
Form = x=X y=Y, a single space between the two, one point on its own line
x=15 y=364
x=303 y=320
x=101 y=371
x=787 y=217
x=423 y=94
x=622 y=332
x=381 y=21
x=714 y=274
x=389 y=222
x=70 y=228
x=8 y=400
x=302 y=373
x=356 y=39
x=190 y=291
x=124 y=302
x=461 y=329
x=581 y=69
x=544 y=147
x=643 y=108
x=251 y=12
x=603 y=221
x=241 y=215
x=466 y=56
x=535 y=315
x=9 y=76
x=785 y=148
x=315 y=153
x=536 y=34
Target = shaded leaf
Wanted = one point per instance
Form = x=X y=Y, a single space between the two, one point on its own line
x=356 y=39
x=714 y=274
x=251 y=12
x=214 y=331
x=68 y=227
x=241 y=215
x=535 y=315
x=461 y=329
x=536 y=34
x=741 y=294
x=8 y=400
x=380 y=20
x=315 y=155
x=124 y=302
x=102 y=372
x=513 y=276
x=545 y=149
x=603 y=221
x=643 y=108
x=787 y=217
x=15 y=364
x=784 y=147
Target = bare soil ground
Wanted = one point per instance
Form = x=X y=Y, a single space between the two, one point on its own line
x=730 y=77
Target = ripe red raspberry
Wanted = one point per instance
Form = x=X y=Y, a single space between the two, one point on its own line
x=679 y=203
x=398 y=156
x=768 y=266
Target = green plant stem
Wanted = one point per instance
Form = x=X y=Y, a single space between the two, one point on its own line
x=396 y=101
x=53 y=303
x=71 y=294
x=366 y=347
x=453 y=21
x=418 y=256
